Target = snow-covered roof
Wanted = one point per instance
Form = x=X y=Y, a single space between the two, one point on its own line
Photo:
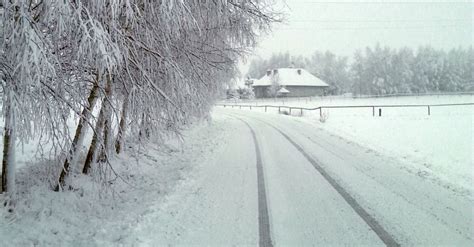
x=290 y=77
x=283 y=90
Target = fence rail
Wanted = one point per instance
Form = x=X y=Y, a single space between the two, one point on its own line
x=283 y=100
x=320 y=108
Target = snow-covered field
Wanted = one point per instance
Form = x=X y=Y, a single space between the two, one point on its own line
x=441 y=144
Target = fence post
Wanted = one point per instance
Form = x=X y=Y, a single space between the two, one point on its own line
x=320 y=112
x=380 y=112
x=290 y=111
x=301 y=112
x=429 y=111
x=265 y=108
x=279 y=110
x=250 y=107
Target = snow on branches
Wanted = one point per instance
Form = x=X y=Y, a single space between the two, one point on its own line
x=122 y=70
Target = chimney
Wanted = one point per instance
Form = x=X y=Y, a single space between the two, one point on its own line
x=269 y=72
x=299 y=71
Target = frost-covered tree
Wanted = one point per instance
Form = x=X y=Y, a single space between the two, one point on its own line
x=389 y=71
x=382 y=70
x=31 y=84
x=258 y=66
x=332 y=69
x=125 y=70
x=276 y=84
x=401 y=73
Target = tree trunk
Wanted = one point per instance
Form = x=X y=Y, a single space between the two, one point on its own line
x=105 y=139
x=6 y=149
x=144 y=131
x=8 y=169
x=108 y=121
x=122 y=126
x=103 y=126
x=78 y=136
x=95 y=139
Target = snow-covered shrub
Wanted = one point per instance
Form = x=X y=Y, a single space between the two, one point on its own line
x=324 y=116
x=285 y=112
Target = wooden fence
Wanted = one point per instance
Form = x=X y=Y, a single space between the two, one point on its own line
x=320 y=108
x=285 y=100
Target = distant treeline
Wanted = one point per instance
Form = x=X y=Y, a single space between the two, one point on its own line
x=383 y=70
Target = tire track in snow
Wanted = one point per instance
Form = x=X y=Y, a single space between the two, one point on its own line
x=265 y=239
x=368 y=219
x=371 y=221
x=376 y=227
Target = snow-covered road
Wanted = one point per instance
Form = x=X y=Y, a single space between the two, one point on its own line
x=319 y=189
x=216 y=206
x=304 y=208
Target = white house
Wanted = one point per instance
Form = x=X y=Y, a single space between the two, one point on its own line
x=298 y=82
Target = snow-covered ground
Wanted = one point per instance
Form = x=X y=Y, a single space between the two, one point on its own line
x=95 y=215
x=203 y=191
x=218 y=204
x=441 y=144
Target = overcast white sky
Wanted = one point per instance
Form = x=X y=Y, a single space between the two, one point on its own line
x=343 y=26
